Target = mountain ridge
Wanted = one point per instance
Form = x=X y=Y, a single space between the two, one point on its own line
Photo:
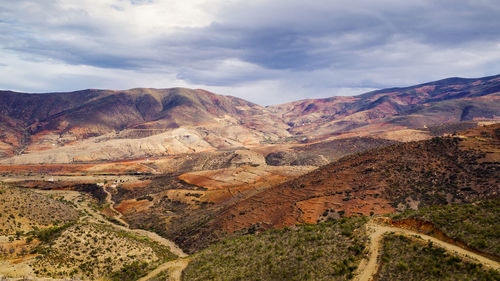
x=33 y=124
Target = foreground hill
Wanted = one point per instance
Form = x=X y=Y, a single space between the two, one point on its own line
x=327 y=251
x=355 y=248
x=475 y=225
x=407 y=258
x=61 y=234
x=90 y=248
x=104 y=125
x=24 y=211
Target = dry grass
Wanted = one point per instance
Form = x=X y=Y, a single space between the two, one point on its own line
x=93 y=251
x=22 y=210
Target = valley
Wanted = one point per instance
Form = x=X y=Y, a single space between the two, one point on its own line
x=183 y=184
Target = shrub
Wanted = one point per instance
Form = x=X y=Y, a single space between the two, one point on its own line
x=302 y=252
x=412 y=259
x=475 y=224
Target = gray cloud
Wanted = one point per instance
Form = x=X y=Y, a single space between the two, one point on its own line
x=318 y=45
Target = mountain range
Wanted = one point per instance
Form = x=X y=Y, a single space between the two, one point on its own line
x=104 y=125
x=190 y=185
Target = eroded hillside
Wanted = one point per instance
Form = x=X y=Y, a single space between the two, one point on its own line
x=412 y=175
x=95 y=125
x=105 y=125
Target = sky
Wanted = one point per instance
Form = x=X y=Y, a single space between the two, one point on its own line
x=267 y=52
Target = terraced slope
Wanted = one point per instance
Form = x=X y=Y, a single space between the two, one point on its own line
x=398 y=177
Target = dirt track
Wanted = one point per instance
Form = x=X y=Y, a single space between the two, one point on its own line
x=368 y=268
x=175 y=269
x=365 y=272
x=173 y=247
x=111 y=203
x=99 y=218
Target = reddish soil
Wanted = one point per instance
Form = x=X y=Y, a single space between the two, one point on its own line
x=224 y=184
x=379 y=181
x=133 y=206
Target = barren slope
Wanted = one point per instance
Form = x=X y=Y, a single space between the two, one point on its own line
x=104 y=125
x=395 y=109
x=93 y=125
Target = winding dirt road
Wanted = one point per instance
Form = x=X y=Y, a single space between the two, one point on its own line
x=94 y=216
x=173 y=247
x=175 y=269
x=368 y=268
x=111 y=203
x=365 y=272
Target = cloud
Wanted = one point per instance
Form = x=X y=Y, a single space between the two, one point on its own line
x=311 y=48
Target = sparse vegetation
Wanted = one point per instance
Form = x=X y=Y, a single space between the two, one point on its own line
x=25 y=210
x=437 y=172
x=475 y=224
x=162 y=276
x=409 y=259
x=75 y=240
x=325 y=251
x=47 y=225
x=337 y=149
x=96 y=251
x=94 y=190
x=130 y=272
x=449 y=128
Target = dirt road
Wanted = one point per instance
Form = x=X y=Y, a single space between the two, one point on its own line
x=175 y=269
x=173 y=247
x=109 y=200
x=368 y=268
x=95 y=216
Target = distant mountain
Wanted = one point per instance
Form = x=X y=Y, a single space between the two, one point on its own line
x=132 y=123
x=102 y=125
x=448 y=100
